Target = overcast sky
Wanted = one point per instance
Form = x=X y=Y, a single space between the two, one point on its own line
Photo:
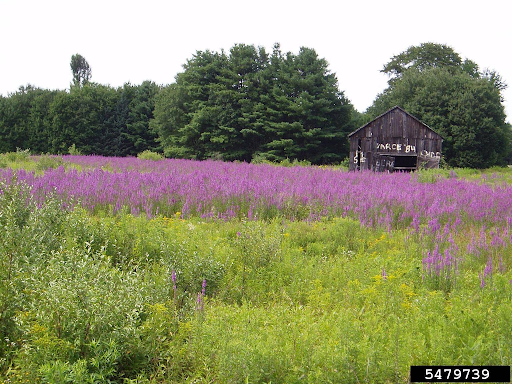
x=132 y=41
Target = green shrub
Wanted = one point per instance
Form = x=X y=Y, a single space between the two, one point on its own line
x=45 y=162
x=20 y=155
x=259 y=158
x=150 y=155
x=28 y=235
x=74 y=151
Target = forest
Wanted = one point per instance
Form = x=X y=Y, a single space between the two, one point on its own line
x=250 y=105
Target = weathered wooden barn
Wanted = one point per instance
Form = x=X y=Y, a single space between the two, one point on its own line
x=394 y=141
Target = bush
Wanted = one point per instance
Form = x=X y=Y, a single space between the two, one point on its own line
x=45 y=162
x=150 y=155
x=20 y=155
x=72 y=150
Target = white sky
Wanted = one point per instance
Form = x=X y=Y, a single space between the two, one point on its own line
x=132 y=41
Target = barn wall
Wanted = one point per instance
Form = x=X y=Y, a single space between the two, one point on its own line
x=395 y=133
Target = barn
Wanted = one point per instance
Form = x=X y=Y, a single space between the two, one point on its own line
x=394 y=141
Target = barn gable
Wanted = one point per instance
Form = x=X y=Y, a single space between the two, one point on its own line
x=395 y=140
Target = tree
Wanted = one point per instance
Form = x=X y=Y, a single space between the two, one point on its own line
x=140 y=111
x=310 y=116
x=24 y=119
x=421 y=58
x=187 y=113
x=83 y=117
x=461 y=103
x=245 y=104
x=209 y=112
x=81 y=70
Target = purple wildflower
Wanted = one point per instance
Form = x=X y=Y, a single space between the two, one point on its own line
x=482 y=282
x=488 y=268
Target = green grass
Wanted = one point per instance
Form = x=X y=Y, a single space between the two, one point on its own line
x=22 y=159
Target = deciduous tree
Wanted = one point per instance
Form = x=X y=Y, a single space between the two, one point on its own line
x=454 y=98
x=81 y=70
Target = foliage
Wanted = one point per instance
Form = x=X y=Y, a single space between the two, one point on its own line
x=90 y=119
x=21 y=155
x=24 y=119
x=70 y=311
x=45 y=162
x=73 y=151
x=422 y=58
x=249 y=105
x=455 y=99
x=149 y=155
x=81 y=70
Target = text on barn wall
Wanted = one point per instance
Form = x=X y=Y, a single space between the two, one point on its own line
x=407 y=149
x=397 y=147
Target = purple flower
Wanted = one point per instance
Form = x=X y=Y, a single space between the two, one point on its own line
x=482 y=282
x=173 y=277
x=488 y=268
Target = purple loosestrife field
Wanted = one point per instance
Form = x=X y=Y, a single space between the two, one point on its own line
x=435 y=212
x=213 y=189
x=173 y=270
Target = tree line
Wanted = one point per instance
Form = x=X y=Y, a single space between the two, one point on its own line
x=250 y=105
x=93 y=118
x=247 y=104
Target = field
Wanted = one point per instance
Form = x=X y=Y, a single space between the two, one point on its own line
x=126 y=270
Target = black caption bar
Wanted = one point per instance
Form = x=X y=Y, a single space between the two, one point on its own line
x=460 y=374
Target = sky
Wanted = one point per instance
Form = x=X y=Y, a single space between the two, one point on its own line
x=133 y=41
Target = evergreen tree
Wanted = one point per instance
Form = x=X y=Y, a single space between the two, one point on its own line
x=24 y=119
x=81 y=117
x=248 y=104
x=127 y=131
x=141 y=107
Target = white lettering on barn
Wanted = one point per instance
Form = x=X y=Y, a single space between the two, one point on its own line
x=398 y=147
x=385 y=163
x=434 y=155
x=359 y=157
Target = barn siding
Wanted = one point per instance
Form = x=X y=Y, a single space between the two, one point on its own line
x=393 y=134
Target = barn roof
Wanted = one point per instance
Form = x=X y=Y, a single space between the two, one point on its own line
x=389 y=111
